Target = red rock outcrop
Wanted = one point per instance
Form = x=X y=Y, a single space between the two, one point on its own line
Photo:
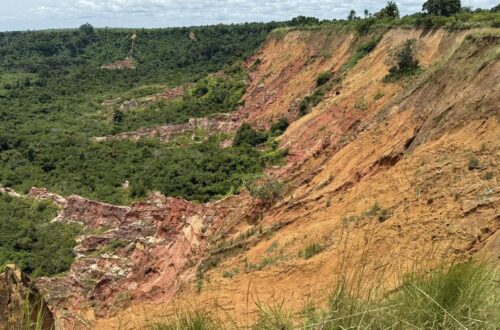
x=146 y=252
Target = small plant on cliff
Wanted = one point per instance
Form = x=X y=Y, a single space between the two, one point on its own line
x=311 y=250
x=268 y=189
x=323 y=78
x=186 y=320
x=406 y=63
x=279 y=127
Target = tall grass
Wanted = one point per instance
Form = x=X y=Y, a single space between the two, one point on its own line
x=187 y=320
x=461 y=296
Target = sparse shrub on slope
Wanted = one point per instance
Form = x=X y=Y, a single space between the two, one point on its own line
x=186 y=320
x=323 y=78
x=268 y=189
x=406 y=63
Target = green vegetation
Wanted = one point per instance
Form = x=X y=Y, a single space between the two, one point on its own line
x=375 y=211
x=311 y=250
x=323 y=78
x=312 y=100
x=210 y=95
x=267 y=189
x=52 y=87
x=30 y=241
x=406 y=63
x=279 y=127
x=442 y=7
x=363 y=50
x=474 y=163
x=247 y=136
x=198 y=320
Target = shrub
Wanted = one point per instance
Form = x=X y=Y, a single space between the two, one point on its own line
x=268 y=189
x=363 y=50
x=323 y=78
x=246 y=135
x=279 y=127
x=311 y=250
x=274 y=316
x=474 y=163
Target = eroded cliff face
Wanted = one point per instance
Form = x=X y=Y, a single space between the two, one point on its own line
x=385 y=177
x=144 y=252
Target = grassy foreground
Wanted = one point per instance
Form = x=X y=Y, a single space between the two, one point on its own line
x=461 y=296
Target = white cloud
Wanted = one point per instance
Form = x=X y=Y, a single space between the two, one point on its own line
x=161 y=13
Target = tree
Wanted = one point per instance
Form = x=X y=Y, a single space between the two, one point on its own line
x=406 y=60
x=246 y=135
x=495 y=9
x=352 y=15
x=303 y=20
x=86 y=29
x=117 y=116
x=389 y=11
x=442 y=7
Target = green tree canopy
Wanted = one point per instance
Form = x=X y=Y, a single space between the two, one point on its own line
x=389 y=11
x=442 y=7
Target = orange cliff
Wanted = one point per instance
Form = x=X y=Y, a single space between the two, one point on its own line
x=378 y=175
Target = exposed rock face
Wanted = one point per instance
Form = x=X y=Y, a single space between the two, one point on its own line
x=126 y=64
x=19 y=297
x=221 y=123
x=91 y=213
x=8 y=191
x=146 y=252
x=42 y=193
x=169 y=94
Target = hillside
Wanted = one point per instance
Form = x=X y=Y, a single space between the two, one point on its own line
x=383 y=171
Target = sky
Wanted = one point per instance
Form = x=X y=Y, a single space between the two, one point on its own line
x=50 y=14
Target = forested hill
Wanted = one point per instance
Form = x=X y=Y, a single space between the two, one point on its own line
x=170 y=55
x=52 y=86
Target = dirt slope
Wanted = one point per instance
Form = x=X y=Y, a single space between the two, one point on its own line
x=384 y=177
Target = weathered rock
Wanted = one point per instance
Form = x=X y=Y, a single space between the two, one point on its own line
x=220 y=123
x=21 y=302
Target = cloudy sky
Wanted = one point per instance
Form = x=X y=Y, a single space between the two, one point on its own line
x=43 y=14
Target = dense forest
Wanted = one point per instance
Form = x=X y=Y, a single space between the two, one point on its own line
x=52 y=87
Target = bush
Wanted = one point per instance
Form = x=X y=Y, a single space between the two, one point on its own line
x=248 y=136
x=279 y=127
x=323 y=78
x=311 y=250
x=268 y=189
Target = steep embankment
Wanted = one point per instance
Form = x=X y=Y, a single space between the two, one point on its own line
x=382 y=178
